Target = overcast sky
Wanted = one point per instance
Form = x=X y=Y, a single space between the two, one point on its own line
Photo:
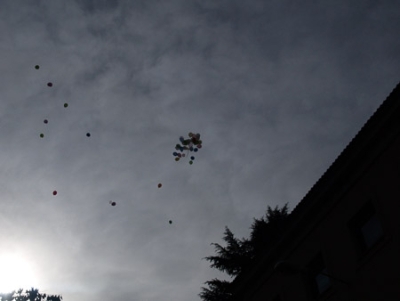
x=276 y=89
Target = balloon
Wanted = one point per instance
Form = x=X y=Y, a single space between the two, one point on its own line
x=159 y=185
x=55 y=192
x=46 y=121
x=65 y=105
x=191 y=144
x=192 y=157
x=50 y=84
x=41 y=135
x=170 y=222
x=112 y=203
x=37 y=67
x=88 y=134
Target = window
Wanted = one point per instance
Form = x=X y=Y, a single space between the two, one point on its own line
x=323 y=282
x=366 y=228
x=372 y=231
x=319 y=283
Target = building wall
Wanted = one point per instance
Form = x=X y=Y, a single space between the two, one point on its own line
x=374 y=276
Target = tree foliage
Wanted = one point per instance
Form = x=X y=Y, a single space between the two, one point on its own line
x=28 y=295
x=232 y=258
x=219 y=290
x=240 y=254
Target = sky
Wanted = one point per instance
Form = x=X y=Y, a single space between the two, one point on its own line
x=276 y=89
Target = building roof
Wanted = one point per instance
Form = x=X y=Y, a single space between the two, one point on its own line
x=373 y=138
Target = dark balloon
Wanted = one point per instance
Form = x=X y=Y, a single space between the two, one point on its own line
x=49 y=84
x=41 y=135
x=159 y=185
x=190 y=162
x=195 y=150
x=55 y=192
x=113 y=203
x=170 y=222
x=37 y=67
x=88 y=134
x=192 y=158
x=65 y=105
x=46 y=121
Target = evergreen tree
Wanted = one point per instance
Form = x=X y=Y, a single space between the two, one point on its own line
x=240 y=254
x=268 y=230
x=29 y=295
x=232 y=258
x=219 y=290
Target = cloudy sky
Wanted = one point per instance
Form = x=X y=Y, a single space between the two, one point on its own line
x=276 y=89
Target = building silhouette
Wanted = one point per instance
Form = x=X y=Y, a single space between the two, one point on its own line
x=343 y=238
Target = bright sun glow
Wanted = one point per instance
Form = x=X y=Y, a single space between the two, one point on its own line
x=16 y=272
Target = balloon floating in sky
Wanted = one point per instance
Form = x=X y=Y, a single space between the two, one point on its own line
x=87 y=134
x=113 y=203
x=41 y=135
x=50 y=84
x=170 y=222
x=46 y=121
x=55 y=192
x=65 y=105
x=159 y=185
x=37 y=67
x=192 y=144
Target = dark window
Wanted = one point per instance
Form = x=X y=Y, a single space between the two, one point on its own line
x=323 y=282
x=366 y=228
x=372 y=231
x=319 y=283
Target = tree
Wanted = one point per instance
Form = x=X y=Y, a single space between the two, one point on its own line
x=240 y=254
x=267 y=231
x=232 y=258
x=219 y=290
x=29 y=295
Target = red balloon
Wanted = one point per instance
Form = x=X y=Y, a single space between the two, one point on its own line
x=55 y=192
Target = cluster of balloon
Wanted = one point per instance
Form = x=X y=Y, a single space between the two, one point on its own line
x=192 y=144
x=112 y=203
